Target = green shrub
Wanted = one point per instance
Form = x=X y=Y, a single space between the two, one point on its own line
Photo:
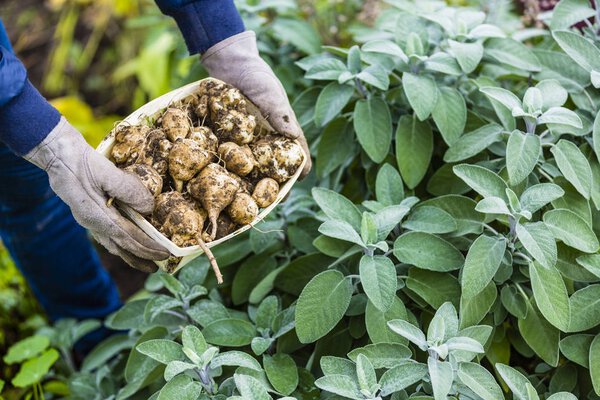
x=448 y=248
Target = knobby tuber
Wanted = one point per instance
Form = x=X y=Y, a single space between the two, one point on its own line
x=265 y=192
x=215 y=189
x=209 y=167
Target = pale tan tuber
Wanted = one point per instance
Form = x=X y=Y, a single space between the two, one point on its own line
x=215 y=189
x=243 y=209
x=156 y=151
x=129 y=143
x=238 y=159
x=150 y=178
x=277 y=157
x=265 y=192
x=176 y=124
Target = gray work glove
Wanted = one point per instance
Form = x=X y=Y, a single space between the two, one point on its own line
x=236 y=61
x=85 y=180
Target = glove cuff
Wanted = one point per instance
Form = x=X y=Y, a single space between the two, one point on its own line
x=242 y=45
x=62 y=139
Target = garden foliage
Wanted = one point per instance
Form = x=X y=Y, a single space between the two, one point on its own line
x=448 y=248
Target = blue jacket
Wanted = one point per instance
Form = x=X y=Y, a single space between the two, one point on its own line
x=26 y=118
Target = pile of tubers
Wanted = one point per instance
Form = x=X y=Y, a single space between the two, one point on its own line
x=208 y=163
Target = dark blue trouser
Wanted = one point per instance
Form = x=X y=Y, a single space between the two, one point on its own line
x=52 y=251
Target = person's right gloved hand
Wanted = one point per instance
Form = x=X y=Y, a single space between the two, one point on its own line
x=85 y=180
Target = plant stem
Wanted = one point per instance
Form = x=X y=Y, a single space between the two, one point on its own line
x=495 y=232
x=211 y=259
x=361 y=89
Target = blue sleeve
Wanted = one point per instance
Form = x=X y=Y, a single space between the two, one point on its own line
x=203 y=23
x=26 y=118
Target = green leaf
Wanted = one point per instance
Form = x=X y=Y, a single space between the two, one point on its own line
x=574 y=166
x=561 y=116
x=485 y=182
x=576 y=348
x=341 y=230
x=376 y=322
x=331 y=101
x=282 y=372
x=368 y=229
x=388 y=186
x=580 y=49
x=373 y=126
x=409 y=331
x=569 y=12
x=300 y=271
x=540 y=335
x=378 y=278
x=493 y=205
x=590 y=262
x=427 y=251
x=299 y=33
x=229 y=332
x=313 y=319
x=162 y=350
x=513 y=53
x=562 y=396
x=473 y=143
x=376 y=76
x=26 y=349
x=550 y=295
x=385 y=47
x=367 y=380
x=468 y=55
x=442 y=376
x=532 y=100
x=514 y=301
x=341 y=385
x=537 y=196
x=430 y=220
x=235 y=359
x=522 y=154
x=250 y=388
x=106 y=350
x=503 y=96
x=336 y=206
x=553 y=94
x=585 y=309
x=572 y=230
x=515 y=380
x=388 y=218
x=474 y=309
x=462 y=209
x=33 y=370
x=595 y=363
x=401 y=376
x=421 y=92
x=539 y=242
x=336 y=146
x=130 y=316
x=414 y=147
x=482 y=262
x=181 y=387
x=480 y=381
x=450 y=114
x=383 y=355
x=596 y=136
x=435 y=288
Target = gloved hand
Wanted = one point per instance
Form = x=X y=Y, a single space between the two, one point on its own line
x=236 y=61
x=85 y=180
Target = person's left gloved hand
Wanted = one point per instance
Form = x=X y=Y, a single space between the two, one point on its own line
x=236 y=61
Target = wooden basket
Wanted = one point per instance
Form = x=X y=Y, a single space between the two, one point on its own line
x=186 y=254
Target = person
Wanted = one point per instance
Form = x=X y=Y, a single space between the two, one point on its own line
x=54 y=186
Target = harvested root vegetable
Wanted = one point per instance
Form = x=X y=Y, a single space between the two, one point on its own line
x=149 y=177
x=237 y=127
x=129 y=143
x=156 y=151
x=186 y=158
x=215 y=189
x=184 y=224
x=265 y=192
x=277 y=157
x=163 y=205
x=243 y=209
x=207 y=139
x=176 y=124
x=238 y=159
x=225 y=226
